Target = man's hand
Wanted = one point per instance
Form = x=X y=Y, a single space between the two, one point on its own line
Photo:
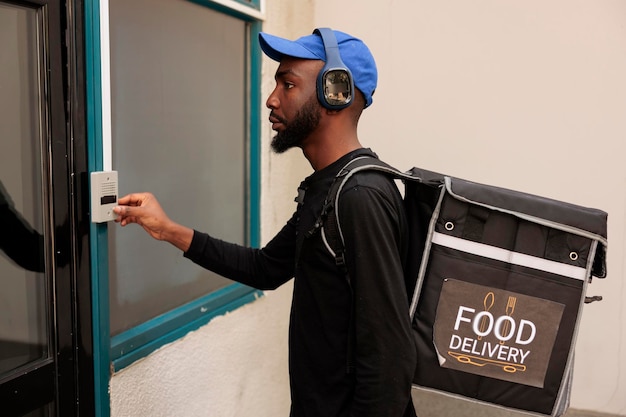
x=144 y=210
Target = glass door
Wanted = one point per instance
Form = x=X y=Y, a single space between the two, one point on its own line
x=41 y=342
x=26 y=278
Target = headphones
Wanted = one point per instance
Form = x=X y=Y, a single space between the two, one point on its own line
x=335 y=87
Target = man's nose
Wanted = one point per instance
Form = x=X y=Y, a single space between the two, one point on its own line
x=272 y=101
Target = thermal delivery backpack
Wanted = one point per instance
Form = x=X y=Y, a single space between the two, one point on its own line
x=498 y=281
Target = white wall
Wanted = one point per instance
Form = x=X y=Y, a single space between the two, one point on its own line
x=529 y=95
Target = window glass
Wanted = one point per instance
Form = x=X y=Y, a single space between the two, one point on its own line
x=178 y=98
x=23 y=300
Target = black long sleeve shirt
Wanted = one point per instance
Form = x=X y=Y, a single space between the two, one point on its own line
x=373 y=222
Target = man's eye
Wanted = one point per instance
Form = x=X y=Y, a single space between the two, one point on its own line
x=289 y=86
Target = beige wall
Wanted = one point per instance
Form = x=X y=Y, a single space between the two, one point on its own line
x=528 y=95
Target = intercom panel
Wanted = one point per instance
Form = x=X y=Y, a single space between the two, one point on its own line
x=104 y=193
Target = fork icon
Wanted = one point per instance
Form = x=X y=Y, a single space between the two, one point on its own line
x=510 y=308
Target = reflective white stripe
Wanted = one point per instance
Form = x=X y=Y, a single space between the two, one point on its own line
x=515 y=258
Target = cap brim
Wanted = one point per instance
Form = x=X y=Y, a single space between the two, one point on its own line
x=276 y=48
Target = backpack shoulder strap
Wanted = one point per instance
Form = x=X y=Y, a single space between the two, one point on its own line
x=330 y=227
x=329 y=219
x=331 y=233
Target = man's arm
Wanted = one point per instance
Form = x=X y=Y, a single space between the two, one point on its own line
x=144 y=210
x=23 y=244
x=385 y=354
x=265 y=268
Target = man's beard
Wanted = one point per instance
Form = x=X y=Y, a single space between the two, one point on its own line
x=296 y=131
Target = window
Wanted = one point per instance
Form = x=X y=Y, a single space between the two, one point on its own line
x=181 y=77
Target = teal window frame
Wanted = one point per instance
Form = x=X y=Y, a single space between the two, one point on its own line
x=115 y=353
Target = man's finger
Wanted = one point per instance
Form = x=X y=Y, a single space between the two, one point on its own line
x=126 y=211
x=128 y=220
x=124 y=200
x=134 y=199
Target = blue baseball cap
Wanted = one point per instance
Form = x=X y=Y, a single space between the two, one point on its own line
x=354 y=53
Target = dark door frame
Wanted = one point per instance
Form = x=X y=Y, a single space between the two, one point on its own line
x=68 y=376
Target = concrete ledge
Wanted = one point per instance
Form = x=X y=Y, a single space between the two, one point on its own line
x=586 y=413
x=429 y=404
